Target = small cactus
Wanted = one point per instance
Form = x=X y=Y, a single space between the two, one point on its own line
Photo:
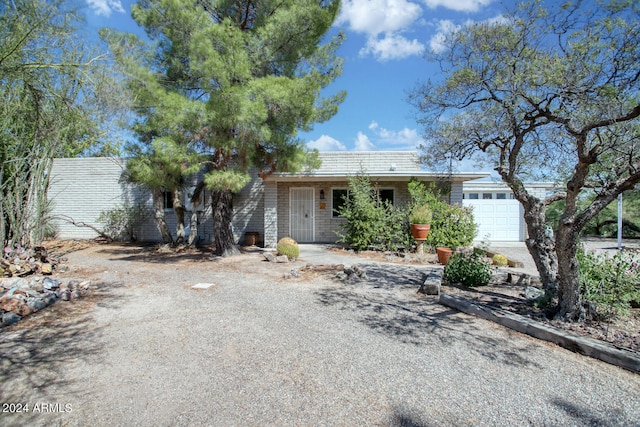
x=289 y=247
x=500 y=260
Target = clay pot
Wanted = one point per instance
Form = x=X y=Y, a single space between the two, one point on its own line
x=443 y=255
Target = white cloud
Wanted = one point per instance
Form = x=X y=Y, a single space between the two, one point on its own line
x=392 y=46
x=388 y=17
x=458 y=5
x=326 y=143
x=373 y=17
x=105 y=7
x=363 y=143
x=444 y=29
x=404 y=139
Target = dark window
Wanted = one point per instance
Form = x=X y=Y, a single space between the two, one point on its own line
x=501 y=196
x=338 y=198
x=473 y=196
x=487 y=196
x=386 y=195
x=168 y=200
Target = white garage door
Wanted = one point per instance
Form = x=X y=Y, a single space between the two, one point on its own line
x=498 y=220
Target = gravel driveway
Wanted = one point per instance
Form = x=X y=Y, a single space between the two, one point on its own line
x=256 y=349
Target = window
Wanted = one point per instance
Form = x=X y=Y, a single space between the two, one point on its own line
x=473 y=196
x=386 y=195
x=168 y=200
x=501 y=196
x=338 y=197
x=487 y=196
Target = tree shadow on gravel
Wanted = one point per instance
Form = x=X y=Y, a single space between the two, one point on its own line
x=36 y=351
x=387 y=302
x=587 y=416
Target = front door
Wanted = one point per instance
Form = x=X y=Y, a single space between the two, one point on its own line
x=301 y=214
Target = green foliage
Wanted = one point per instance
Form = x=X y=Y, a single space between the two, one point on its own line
x=500 y=260
x=235 y=81
x=452 y=226
x=611 y=283
x=121 y=222
x=605 y=222
x=420 y=214
x=468 y=269
x=289 y=247
x=56 y=101
x=371 y=223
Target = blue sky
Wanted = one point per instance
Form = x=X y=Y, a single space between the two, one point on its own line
x=383 y=53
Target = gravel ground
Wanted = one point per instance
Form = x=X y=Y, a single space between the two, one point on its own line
x=255 y=349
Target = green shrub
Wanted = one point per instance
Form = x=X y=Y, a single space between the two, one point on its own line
x=500 y=260
x=289 y=247
x=468 y=269
x=420 y=214
x=610 y=283
x=370 y=222
x=452 y=226
x=120 y=223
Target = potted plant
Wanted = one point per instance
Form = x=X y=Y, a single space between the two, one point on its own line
x=453 y=228
x=420 y=220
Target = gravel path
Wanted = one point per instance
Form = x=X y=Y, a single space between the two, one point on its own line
x=255 y=349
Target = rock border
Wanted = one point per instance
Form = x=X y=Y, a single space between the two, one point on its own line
x=586 y=346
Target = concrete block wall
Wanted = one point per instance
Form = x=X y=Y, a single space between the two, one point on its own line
x=81 y=188
x=248 y=207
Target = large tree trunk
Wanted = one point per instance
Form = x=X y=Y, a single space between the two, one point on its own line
x=570 y=301
x=179 y=209
x=222 y=212
x=196 y=199
x=541 y=246
x=158 y=211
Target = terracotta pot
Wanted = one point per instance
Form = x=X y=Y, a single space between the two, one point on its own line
x=420 y=231
x=443 y=255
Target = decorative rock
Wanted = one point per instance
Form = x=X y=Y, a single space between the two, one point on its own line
x=10 y=318
x=295 y=272
x=533 y=294
x=269 y=256
x=282 y=258
x=64 y=294
x=50 y=298
x=16 y=306
x=36 y=304
x=50 y=284
x=431 y=285
x=75 y=294
x=46 y=268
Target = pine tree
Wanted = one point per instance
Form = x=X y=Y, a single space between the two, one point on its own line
x=249 y=75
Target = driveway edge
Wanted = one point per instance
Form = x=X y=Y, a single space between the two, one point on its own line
x=583 y=345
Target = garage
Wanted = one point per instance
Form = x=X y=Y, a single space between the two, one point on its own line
x=498 y=220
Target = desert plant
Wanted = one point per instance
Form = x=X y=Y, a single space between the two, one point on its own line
x=420 y=214
x=289 y=247
x=468 y=269
x=610 y=283
x=121 y=222
x=370 y=222
x=500 y=260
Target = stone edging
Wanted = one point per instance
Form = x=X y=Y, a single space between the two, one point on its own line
x=583 y=345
